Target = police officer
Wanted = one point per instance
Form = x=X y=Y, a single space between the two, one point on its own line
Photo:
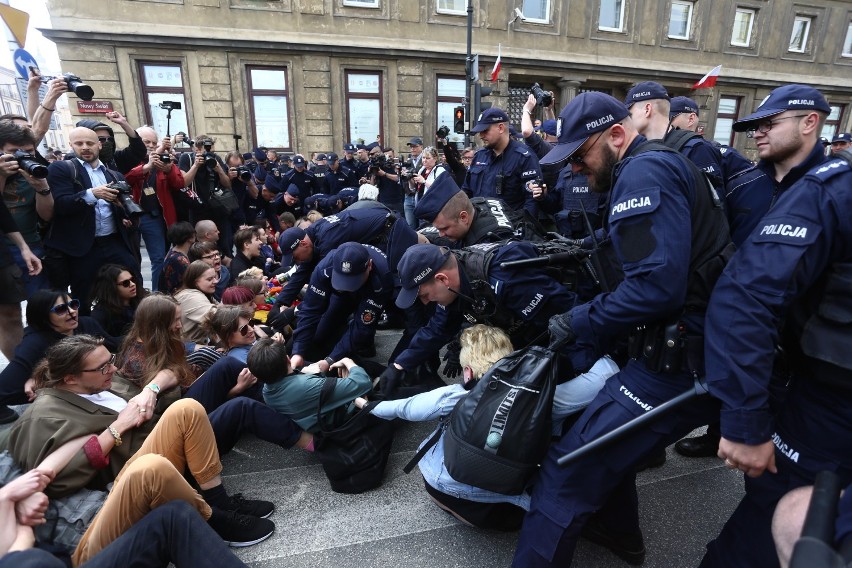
x=469 y=285
x=287 y=201
x=338 y=176
x=461 y=221
x=841 y=142
x=786 y=127
x=301 y=178
x=502 y=168
x=793 y=268
x=353 y=279
x=571 y=203
x=348 y=159
x=382 y=174
x=655 y=202
x=362 y=162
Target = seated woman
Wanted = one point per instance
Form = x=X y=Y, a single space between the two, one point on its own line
x=51 y=315
x=74 y=401
x=481 y=347
x=235 y=328
x=196 y=299
x=182 y=237
x=115 y=295
x=209 y=253
x=297 y=394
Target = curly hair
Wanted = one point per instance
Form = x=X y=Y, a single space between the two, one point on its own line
x=481 y=347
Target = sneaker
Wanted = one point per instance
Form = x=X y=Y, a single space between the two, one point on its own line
x=628 y=547
x=253 y=507
x=239 y=530
x=7 y=415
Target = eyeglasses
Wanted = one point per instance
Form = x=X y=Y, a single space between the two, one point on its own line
x=125 y=283
x=467 y=158
x=103 y=139
x=244 y=330
x=104 y=369
x=211 y=256
x=765 y=127
x=62 y=309
x=577 y=159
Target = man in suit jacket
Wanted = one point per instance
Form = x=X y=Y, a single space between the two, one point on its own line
x=90 y=227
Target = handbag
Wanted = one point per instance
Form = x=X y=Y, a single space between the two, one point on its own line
x=353 y=455
x=187 y=199
x=223 y=199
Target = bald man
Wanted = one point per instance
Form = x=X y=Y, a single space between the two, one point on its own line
x=90 y=226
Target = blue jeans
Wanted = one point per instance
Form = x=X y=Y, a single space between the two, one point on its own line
x=31 y=283
x=408 y=206
x=153 y=231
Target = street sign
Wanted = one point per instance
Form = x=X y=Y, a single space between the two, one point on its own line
x=94 y=107
x=23 y=61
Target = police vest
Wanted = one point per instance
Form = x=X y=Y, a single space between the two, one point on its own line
x=711 y=242
x=494 y=221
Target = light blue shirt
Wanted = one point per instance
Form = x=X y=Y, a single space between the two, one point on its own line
x=104 y=222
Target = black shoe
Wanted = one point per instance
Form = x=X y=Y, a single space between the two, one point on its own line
x=704 y=446
x=7 y=415
x=253 y=507
x=628 y=547
x=239 y=530
x=657 y=459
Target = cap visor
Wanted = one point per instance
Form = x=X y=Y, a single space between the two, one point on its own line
x=346 y=282
x=561 y=152
x=745 y=123
x=481 y=127
x=406 y=297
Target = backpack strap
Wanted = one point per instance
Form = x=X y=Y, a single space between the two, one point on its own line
x=677 y=139
x=428 y=445
x=328 y=385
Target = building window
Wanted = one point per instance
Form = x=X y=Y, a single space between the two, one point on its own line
x=269 y=106
x=451 y=93
x=611 y=16
x=743 y=23
x=680 y=20
x=455 y=7
x=726 y=115
x=537 y=11
x=163 y=82
x=362 y=3
x=363 y=106
x=801 y=32
x=847 y=43
x=832 y=122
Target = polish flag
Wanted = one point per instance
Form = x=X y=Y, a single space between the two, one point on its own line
x=497 y=64
x=709 y=80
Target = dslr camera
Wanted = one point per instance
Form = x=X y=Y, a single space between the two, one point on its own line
x=406 y=170
x=30 y=164
x=542 y=98
x=243 y=173
x=75 y=85
x=125 y=195
x=209 y=156
x=165 y=158
x=443 y=132
x=376 y=162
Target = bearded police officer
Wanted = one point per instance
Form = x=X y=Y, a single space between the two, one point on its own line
x=656 y=201
x=794 y=268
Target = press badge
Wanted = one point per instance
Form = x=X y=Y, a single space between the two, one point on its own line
x=148 y=191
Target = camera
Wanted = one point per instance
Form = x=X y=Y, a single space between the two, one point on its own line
x=542 y=97
x=209 y=156
x=376 y=162
x=443 y=132
x=75 y=85
x=125 y=195
x=407 y=171
x=165 y=158
x=171 y=105
x=30 y=164
x=243 y=173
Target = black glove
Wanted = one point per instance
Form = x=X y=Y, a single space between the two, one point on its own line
x=390 y=380
x=283 y=319
x=560 y=330
x=452 y=366
x=551 y=236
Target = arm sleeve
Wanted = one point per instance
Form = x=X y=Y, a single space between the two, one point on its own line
x=428 y=340
x=128 y=158
x=294 y=284
x=313 y=306
x=419 y=408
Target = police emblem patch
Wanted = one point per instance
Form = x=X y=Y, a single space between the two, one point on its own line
x=559 y=127
x=368 y=317
x=345 y=267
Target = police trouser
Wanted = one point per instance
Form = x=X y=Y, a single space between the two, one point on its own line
x=813 y=434
x=564 y=498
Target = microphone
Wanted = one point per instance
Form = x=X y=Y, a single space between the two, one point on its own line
x=458 y=293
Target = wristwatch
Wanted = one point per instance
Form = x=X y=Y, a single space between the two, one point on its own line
x=154 y=387
x=43 y=191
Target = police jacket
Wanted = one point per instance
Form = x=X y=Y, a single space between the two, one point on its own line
x=371 y=300
x=337 y=180
x=749 y=195
x=518 y=300
x=304 y=180
x=569 y=199
x=703 y=153
x=504 y=176
x=671 y=240
x=794 y=268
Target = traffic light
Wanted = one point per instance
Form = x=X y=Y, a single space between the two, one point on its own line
x=458 y=120
x=479 y=92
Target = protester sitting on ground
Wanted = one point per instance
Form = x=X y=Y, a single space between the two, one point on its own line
x=481 y=347
x=51 y=315
x=115 y=294
x=182 y=236
x=241 y=296
x=196 y=299
x=297 y=394
x=208 y=252
x=233 y=326
x=74 y=401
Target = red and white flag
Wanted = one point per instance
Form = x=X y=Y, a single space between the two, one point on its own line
x=497 y=64
x=709 y=80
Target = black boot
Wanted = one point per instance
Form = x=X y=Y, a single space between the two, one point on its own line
x=703 y=446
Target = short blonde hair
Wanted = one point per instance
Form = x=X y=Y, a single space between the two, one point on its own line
x=481 y=347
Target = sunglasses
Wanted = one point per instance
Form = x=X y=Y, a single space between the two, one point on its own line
x=103 y=139
x=62 y=309
x=125 y=283
x=104 y=369
x=577 y=159
x=244 y=330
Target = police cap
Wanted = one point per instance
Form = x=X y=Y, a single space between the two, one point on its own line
x=586 y=114
x=418 y=265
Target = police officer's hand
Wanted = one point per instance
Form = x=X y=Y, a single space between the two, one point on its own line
x=390 y=380
x=538 y=191
x=296 y=361
x=751 y=460
x=560 y=330
x=452 y=365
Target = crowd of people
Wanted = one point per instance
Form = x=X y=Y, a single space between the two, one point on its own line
x=691 y=267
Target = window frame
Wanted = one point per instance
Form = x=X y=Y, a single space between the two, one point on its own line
x=620 y=28
x=147 y=90
x=380 y=96
x=251 y=92
x=847 y=42
x=456 y=101
x=548 y=14
x=805 y=40
x=834 y=123
x=447 y=12
x=750 y=33
x=733 y=116
x=363 y=4
x=689 y=18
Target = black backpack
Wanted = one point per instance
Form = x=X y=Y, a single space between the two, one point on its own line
x=498 y=433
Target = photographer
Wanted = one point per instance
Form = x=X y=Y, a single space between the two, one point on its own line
x=243 y=186
x=122 y=160
x=456 y=162
x=153 y=183
x=40 y=112
x=422 y=180
x=382 y=174
x=205 y=171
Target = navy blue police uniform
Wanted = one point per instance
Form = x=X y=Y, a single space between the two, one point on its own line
x=343 y=177
x=794 y=268
x=304 y=180
x=655 y=205
x=504 y=176
x=350 y=162
x=319 y=332
x=569 y=199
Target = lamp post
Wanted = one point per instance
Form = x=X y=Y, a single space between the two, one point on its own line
x=468 y=68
